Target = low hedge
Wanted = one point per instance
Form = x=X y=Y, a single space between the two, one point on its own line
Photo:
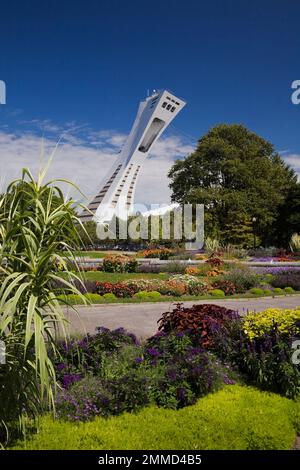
x=72 y=299
x=234 y=418
x=145 y=295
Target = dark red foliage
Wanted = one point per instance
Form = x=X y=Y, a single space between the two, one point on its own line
x=202 y=320
x=215 y=261
x=226 y=286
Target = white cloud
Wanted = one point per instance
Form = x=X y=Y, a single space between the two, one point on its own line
x=85 y=156
x=293 y=160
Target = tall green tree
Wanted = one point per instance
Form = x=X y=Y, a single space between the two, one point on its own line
x=233 y=170
x=288 y=218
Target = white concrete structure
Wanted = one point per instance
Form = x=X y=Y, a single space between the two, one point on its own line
x=116 y=195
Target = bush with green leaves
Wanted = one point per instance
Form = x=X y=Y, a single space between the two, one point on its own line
x=217 y=293
x=145 y=295
x=109 y=297
x=36 y=225
x=256 y=291
x=242 y=278
x=278 y=291
x=235 y=418
x=289 y=290
x=73 y=299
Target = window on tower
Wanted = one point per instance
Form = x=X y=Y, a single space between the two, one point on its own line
x=151 y=134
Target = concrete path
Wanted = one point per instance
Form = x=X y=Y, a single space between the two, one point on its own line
x=141 y=319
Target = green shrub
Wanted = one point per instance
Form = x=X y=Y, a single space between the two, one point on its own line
x=93 y=298
x=145 y=295
x=217 y=293
x=288 y=290
x=235 y=418
x=109 y=296
x=278 y=291
x=72 y=299
x=256 y=291
x=267 y=292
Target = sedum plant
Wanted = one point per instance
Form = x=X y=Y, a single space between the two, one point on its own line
x=36 y=225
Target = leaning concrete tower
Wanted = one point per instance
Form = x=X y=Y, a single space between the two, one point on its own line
x=116 y=195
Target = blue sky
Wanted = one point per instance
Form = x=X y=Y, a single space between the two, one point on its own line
x=84 y=66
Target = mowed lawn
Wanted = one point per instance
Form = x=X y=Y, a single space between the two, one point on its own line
x=100 y=254
x=116 y=277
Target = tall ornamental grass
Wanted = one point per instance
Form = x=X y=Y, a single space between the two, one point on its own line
x=38 y=228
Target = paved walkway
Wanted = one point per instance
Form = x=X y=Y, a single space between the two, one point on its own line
x=141 y=319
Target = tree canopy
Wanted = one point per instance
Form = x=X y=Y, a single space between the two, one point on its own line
x=233 y=171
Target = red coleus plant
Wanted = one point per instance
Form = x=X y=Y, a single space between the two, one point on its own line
x=202 y=320
x=215 y=261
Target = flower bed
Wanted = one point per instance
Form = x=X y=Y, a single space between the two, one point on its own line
x=110 y=372
x=197 y=350
x=161 y=253
x=175 y=286
x=119 y=264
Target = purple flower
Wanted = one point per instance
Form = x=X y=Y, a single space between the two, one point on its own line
x=138 y=360
x=119 y=330
x=181 y=393
x=102 y=329
x=172 y=374
x=152 y=352
x=228 y=381
x=180 y=334
x=69 y=379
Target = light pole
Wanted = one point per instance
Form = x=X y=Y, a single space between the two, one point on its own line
x=254 y=235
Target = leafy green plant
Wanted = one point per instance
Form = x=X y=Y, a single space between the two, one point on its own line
x=256 y=291
x=109 y=297
x=289 y=290
x=36 y=225
x=278 y=291
x=217 y=293
x=144 y=295
x=234 y=418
